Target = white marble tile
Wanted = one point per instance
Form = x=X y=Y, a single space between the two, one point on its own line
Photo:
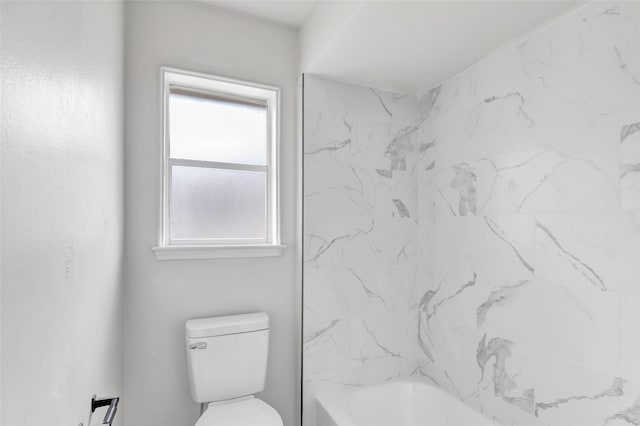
x=498 y=249
x=629 y=133
x=357 y=101
x=590 y=251
x=586 y=32
x=502 y=74
x=629 y=18
x=386 y=146
x=571 y=323
x=535 y=180
x=447 y=355
x=360 y=237
x=496 y=223
x=383 y=346
x=526 y=192
x=568 y=393
x=630 y=166
x=362 y=271
x=553 y=150
x=629 y=332
x=329 y=138
x=361 y=143
x=326 y=347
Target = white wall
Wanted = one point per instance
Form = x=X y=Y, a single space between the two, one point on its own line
x=161 y=295
x=62 y=209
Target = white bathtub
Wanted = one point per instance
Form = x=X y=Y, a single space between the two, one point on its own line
x=396 y=403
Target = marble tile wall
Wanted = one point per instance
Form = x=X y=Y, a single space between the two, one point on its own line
x=529 y=207
x=495 y=222
x=360 y=318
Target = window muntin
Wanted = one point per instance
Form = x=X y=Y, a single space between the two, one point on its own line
x=220 y=162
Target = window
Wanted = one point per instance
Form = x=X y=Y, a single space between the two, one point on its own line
x=219 y=168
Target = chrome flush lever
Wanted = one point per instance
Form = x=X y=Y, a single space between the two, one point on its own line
x=199 y=345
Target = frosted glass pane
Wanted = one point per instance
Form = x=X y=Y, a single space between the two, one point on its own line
x=216 y=130
x=217 y=203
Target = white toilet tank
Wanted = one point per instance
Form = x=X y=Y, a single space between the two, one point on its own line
x=227 y=356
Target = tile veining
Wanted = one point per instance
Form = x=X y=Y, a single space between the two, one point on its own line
x=578 y=264
x=499 y=297
x=616 y=389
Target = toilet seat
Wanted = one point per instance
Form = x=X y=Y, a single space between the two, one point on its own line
x=245 y=412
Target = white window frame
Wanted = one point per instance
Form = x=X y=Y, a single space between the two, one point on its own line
x=229 y=89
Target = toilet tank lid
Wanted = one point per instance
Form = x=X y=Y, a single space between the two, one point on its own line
x=230 y=324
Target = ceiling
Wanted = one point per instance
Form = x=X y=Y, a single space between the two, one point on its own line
x=412 y=46
x=407 y=46
x=292 y=13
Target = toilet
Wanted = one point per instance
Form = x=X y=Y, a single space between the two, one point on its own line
x=227 y=363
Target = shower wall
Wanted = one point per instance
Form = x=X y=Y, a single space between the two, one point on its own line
x=361 y=150
x=530 y=226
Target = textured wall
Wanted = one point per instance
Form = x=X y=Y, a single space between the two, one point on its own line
x=360 y=236
x=62 y=210
x=162 y=295
x=530 y=233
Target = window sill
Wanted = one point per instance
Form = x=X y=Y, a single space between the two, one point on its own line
x=217 y=252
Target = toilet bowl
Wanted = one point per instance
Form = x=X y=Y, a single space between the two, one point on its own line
x=227 y=364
